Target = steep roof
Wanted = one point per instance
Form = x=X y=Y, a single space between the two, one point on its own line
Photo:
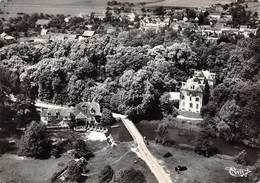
x=81 y=116
x=192 y=85
x=206 y=74
x=96 y=108
x=88 y=33
x=53 y=112
x=87 y=106
x=42 y=22
x=3 y=35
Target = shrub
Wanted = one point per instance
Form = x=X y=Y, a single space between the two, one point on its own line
x=81 y=150
x=205 y=146
x=129 y=175
x=75 y=169
x=106 y=174
x=242 y=158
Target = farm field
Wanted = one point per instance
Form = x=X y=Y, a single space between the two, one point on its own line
x=189 y=3
x=72 y=7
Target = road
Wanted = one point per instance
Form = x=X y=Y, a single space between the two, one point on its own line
x=142 y=150
x=40 y=104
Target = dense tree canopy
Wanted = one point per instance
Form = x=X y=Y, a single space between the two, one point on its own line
x=132 y=78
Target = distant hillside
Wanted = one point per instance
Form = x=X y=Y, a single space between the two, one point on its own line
x=190 y=3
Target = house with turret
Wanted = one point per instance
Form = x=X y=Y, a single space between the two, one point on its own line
x=191 y=91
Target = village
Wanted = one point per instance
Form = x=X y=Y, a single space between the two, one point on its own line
x=208 y=22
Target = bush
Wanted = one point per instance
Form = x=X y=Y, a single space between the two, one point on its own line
x=162 y=134
x=129 y=176
x=106 y=174
x=242 y=158
x=167 y=155
x=81 y=150
x=204 y=146
x=75 y=169
x=56 y=151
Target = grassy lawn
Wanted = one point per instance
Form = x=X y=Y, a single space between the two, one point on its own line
x=15 y=170
x=200 y=169
x=118 y=158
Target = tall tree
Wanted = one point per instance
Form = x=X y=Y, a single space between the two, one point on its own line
x=34 y=142
x=206 y=93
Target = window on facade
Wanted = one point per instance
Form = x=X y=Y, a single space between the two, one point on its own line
x=182 y=97
x=183 y=104
x=197 y=99
x=197 y=106
x=190 y=98
x=191 y=105
x=92 y=111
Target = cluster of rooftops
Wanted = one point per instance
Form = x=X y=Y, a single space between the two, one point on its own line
x=86 y=112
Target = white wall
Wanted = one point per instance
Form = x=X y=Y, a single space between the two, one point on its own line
x=189 y=99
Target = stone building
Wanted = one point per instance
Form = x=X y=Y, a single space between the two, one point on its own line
x=191 y=92
x=85 y=113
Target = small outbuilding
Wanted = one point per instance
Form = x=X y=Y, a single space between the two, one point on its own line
x=42 y=23
x=88 y=33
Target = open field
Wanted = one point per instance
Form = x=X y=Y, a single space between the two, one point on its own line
x=199 y=168
x=254 y=6
x=189 y=3
x=118 y=158
x=27 y=170
x=72 y=7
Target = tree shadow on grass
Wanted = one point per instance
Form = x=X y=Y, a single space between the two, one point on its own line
x=6 y=146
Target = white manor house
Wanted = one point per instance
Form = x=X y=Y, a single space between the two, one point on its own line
x=191 y=92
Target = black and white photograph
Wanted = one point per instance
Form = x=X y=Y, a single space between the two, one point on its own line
x=129 y=91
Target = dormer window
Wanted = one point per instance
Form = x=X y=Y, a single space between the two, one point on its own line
x=92 y=111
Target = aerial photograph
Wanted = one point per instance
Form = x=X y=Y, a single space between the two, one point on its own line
x=129 y=91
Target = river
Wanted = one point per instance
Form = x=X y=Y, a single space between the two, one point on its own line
x=182 y=137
